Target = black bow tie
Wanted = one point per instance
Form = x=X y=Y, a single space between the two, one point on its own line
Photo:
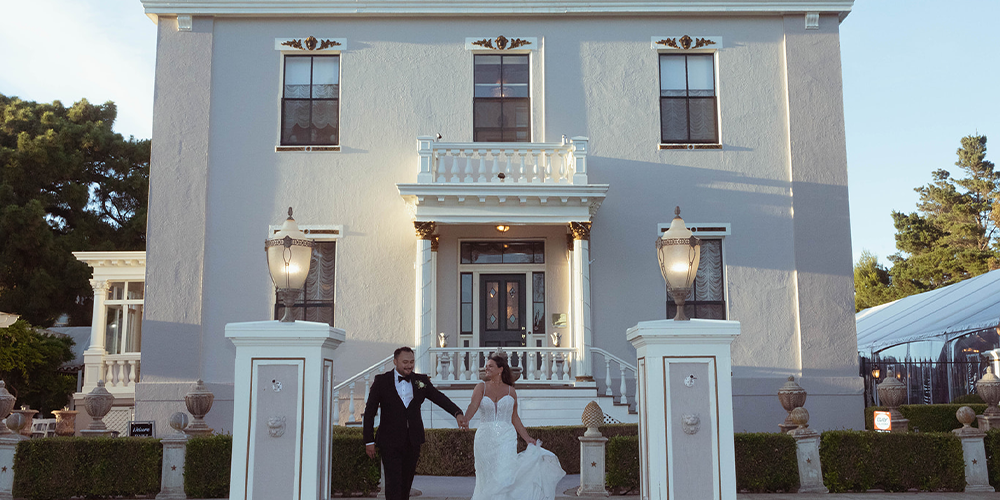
x=401 y=378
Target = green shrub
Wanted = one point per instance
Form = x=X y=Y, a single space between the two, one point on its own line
x=993 y=456
x=622 y=465
x=58 y=468
x=968 y=399
x=207 y=466
x=926 y=418
x=765 y=462
x=859 y=461
x=353 y=471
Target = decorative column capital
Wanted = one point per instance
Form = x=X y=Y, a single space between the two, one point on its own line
x=435 y=241
x=569 y=241
x=580 y=230
x=425 y=230
x=100 y=286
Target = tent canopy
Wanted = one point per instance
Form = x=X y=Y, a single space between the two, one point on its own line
x=965 y=307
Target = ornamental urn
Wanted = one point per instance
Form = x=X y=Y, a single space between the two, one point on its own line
x=6 y=405
x=892 y=393
x=792 y=396
x=29 y=416
x=199 y=402
x=65 y=422
x=988 y=388
x=98 y=403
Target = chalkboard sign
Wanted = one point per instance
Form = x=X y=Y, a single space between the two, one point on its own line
x=141 y=429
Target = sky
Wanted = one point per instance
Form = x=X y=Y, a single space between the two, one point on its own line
x=918 y=76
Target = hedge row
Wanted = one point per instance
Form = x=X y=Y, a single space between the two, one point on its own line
x=621 y=465
x=926 y=418
x=993 y=456
x=64 y=467
x=860 y=461
x=766 y=463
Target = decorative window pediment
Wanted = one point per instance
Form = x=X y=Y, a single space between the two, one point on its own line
x=311 y=44
x=501 y=43
x=685 y=42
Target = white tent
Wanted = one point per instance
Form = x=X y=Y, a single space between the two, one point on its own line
x=945 y=313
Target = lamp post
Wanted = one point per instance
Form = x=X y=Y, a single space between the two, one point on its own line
x=288 y=257
x=679 y=252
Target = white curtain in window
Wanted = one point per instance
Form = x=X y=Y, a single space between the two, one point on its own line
x=708 y=281
x=297 y=71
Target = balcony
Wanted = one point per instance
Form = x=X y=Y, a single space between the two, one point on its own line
x=516 y=182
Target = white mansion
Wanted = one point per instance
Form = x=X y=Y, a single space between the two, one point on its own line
x=497 y=172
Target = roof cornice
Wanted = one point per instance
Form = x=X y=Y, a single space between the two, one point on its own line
x=340 y=8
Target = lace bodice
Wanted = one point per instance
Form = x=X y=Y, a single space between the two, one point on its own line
x=496 y=413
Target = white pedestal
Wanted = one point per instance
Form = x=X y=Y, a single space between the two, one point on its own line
x=283 y=409
x=686 y=447
x=592 y=466
x=172 y=474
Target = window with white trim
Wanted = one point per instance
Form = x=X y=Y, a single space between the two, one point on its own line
x=501 y=105
x=688 y=100
x=123 y=306
x=310 y=101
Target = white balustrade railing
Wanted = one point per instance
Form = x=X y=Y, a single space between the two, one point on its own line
x=120 y=370
x=562 y=162
x=351 y=388
x=541 y=365
x=624 y=369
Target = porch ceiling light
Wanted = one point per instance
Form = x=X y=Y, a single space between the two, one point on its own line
x=288 y=257
x=679 y=252
x=503 y=228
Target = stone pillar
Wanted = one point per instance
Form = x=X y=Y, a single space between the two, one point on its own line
x=199 y=403
x=807 y=453
x=97 y=403
x=93 y=357
x=988 y=388
x=284 y=381
x=580 y=293
x=174 y=451
x=592 y=444
x=424 y=324
x=8 y=446
x=892 y=393
x=686 y=447
x=976 y=475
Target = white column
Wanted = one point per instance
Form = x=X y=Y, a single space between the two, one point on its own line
x=93 y=357
x=582 y=335
x=423 y=338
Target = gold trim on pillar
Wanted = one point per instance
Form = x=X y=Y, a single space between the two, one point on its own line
x=435 y=241
x=425 y=230
x=581 y=230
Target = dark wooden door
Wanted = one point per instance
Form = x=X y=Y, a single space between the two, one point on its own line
x=502 y=316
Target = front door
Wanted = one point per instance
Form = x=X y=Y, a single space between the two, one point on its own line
x=502 y=315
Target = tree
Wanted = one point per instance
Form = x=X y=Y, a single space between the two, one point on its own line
x=29 y=364
x=872 y=285
x=67 y=183
x=953 y=234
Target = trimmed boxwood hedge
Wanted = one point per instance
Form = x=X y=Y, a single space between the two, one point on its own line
x=860 y=461
x=993 y=456
x=207 y=466
x=926 y=418
x=621 y=462
x=766 y=463
x=64 y=467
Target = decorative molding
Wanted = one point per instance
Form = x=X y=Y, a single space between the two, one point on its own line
x=501 y=43
x=306 y=149
x=812 y=20
x=685 y=42
x=311 y=44
x=425 y=230
x=435 y=242
x=580 y=230
x=185 y=22
x=690 y=146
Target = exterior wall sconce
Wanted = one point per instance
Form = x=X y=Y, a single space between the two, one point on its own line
x=679 y=252
x=289 y=254
x=503 y=228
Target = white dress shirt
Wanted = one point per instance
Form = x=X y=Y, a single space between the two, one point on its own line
x=403 y=388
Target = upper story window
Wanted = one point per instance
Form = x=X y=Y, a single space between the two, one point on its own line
x=688 y=100
x=310 y=101
x=501 y=105
x=123 y=305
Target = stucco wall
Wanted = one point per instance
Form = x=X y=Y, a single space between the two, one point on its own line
x=788 y=279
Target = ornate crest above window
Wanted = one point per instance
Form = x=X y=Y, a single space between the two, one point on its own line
x=310 y=44
x=685 y=42
x=501 y=43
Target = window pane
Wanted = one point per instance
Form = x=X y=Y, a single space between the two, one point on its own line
x=326 y=76
x=488 y=135
x=116 y=290
x=486 y=114
x=487 y=69
x=701 y=72
x=297 y=74
x=538 y=318
x=134 y=328
x=466 y=288
x=518 y=253
x=702 y=116
x=488 y=90
x=135 y=290
x=672 y=73
x=539 y=249
x=538 y=287
x=708 y=281
x=515 y=90
x=113 y=330
x=515 y=113
x=295 y=128
x=493 y=305
x=673 y=120
x=324 y=122
x=515 y=70
x=466 y=318
x=513 y=313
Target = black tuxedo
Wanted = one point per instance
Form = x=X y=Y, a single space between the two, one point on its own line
x=401 y=428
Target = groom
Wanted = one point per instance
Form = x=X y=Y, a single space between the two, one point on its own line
x=400 y=393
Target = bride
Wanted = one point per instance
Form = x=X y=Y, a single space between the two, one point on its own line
x=501 y=472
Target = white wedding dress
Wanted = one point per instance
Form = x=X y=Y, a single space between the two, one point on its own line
x=501 y=472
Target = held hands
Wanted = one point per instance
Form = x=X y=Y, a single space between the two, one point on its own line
x=370 y=450
x=463 y=423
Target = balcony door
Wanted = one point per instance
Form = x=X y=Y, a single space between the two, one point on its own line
x=502 y=321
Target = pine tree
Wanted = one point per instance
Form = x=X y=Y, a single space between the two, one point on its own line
x=872 y=285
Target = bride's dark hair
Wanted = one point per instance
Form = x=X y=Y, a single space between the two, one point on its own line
x=505 y=374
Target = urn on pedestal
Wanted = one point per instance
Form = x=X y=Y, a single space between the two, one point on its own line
x=65 y=422
x=6 y=405
x=199 y=402
x=892 y=393
x=792 y=396
x=29 y=416
x=988 y=388
x=97 y=403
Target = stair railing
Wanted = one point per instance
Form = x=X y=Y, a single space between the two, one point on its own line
x=350 y=384
x=623 y=367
